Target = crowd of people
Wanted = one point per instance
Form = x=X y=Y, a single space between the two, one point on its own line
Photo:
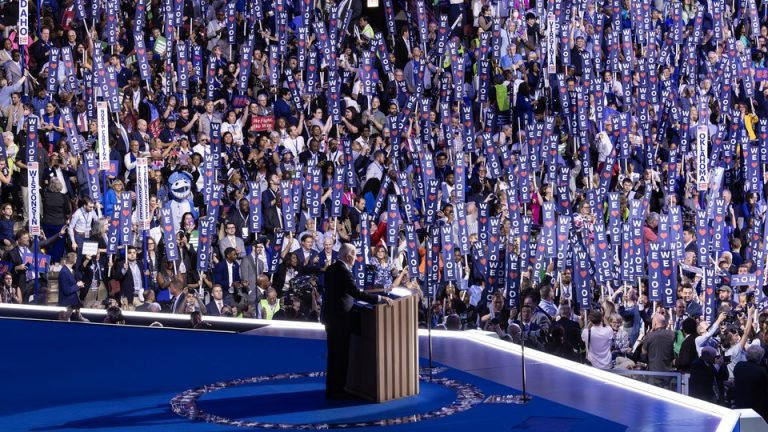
x=584 y=177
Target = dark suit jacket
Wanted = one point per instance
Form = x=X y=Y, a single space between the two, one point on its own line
x=306 y=156
x=68 y=289
x=532 y=335
x=321 y=263
x=271 y=221
x=221 y=274
x=340 y=294
x=212 y=310
x=125 y=276
x=572 y=331
x=322 y=260
x=311 y=266
x=354 y=219
x=702 y=377
x=401 y=52
x=19 y=277
x=687 y=354
x=50 y=173
x=751 y=387
x=91 y=271
x=136 y=135
x=179 y=304
x=278 y=279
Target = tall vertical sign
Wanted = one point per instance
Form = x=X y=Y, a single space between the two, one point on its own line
x=33 y=176
x=23 y=22
x=102 y=121
x=142 y=192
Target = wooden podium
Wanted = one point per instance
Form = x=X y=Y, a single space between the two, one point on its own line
x=384 y=360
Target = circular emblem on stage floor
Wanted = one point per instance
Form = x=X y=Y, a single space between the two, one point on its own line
x=186 y=404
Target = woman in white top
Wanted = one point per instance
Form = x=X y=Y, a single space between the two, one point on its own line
x=233 y=125
x=294 y=142
x=597 y=337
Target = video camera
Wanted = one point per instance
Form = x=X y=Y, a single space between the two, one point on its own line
x=301 y=287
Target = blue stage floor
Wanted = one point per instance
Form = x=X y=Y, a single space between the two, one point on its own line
x=73 y=376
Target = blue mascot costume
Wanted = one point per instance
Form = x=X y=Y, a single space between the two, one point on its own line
x=180 y=191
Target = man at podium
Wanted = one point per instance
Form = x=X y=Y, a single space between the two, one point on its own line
x=340 y=294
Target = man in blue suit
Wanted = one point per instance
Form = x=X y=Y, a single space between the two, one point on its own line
x=308 y=258
x=217 y=303
x=69 y=286
x=227 y=274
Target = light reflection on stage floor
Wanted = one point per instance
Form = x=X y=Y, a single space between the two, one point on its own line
x=622 y=400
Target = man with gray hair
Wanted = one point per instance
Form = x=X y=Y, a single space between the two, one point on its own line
x=751 y=382
x=338 y=317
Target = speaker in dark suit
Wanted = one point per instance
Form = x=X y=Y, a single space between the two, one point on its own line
x=339 y=296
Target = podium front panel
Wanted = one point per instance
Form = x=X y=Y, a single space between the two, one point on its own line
x=384 y=361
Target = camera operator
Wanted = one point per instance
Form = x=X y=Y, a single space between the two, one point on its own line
x=297 y=309
x=733 y=344
x=302 y=296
